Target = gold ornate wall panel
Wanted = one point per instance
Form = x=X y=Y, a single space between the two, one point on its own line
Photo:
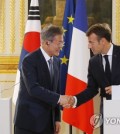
x=12 y=26
x=116 y=21
x=13 y=14
x=2 y=27
x=8 y=64
x=117 y=5
x=21 y=21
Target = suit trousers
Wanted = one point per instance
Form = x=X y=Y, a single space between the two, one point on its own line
x=48 y=130
x=18 y=130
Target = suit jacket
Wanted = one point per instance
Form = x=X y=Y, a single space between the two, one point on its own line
x=97 y=78
x=38 y=98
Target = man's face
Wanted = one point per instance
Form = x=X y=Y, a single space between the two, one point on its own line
x=94 y=44
x=55 y=45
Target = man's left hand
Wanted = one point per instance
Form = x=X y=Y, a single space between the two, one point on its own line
x=57 y=127
x=108 y=90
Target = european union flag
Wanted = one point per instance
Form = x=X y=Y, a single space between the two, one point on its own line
x=68 y=28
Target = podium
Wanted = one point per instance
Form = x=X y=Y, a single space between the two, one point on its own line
x=111 y=112
x=5 y=116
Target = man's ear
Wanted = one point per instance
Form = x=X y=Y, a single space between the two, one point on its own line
x=103 y=40
x=48 y=42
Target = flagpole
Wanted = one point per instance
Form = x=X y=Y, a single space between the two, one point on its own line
x=70 y=129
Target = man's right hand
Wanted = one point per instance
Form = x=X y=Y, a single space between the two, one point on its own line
x=67 y=101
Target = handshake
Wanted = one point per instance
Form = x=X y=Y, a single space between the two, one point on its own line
x=67 y=101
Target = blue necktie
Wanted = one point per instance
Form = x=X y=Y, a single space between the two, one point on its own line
x=50 y=61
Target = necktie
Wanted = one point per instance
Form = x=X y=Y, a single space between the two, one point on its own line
x=51 y=68
x=107 y=69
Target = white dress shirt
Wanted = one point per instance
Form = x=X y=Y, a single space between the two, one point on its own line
x=109 y=53
x=47 y=58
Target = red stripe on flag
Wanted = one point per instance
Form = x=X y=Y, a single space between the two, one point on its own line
x=78 y=117
x=74 y=84
x=31 y=41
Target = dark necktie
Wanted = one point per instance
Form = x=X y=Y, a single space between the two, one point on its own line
x=50 y=61
x=107 y=69
x=108 y=74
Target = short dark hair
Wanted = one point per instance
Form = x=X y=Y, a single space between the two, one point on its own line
x=49 y=32
x=102 y=30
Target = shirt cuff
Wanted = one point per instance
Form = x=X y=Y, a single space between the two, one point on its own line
x=58 y=100
x=74 y=106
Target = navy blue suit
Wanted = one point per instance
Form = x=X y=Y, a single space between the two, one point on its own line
x=97 y=78
x=37 y=101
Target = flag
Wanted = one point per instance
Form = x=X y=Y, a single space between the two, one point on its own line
x=77 y=71
x=31 y=40
x=64 y=54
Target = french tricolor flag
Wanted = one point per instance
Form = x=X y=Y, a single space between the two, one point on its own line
x=77 y=71
x=31 y=40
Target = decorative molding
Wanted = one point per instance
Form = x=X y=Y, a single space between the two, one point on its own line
x=115 y=21
x=12 y=26
x=8 y=64
x=21 y=20
x=118 y=21
x=4 y=81
x=2 y=27
x=8 y=69
x=9 y=59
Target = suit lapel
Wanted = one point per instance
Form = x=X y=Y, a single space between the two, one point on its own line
x=100 y=72
x=55 y=71
x=100 y=64
x=44 y=66
x=115 y=59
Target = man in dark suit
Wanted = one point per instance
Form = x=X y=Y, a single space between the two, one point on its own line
x=37 y=110
x=99 y=37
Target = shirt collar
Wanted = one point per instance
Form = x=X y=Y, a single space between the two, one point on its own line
x=46 y=56
x=110 y=51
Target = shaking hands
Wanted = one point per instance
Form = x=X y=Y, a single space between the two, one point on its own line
x=67 y=101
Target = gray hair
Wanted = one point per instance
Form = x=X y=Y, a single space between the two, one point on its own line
x=49 y=32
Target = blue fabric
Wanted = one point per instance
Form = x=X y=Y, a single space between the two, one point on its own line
x=69 y=11
x=81 y=21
